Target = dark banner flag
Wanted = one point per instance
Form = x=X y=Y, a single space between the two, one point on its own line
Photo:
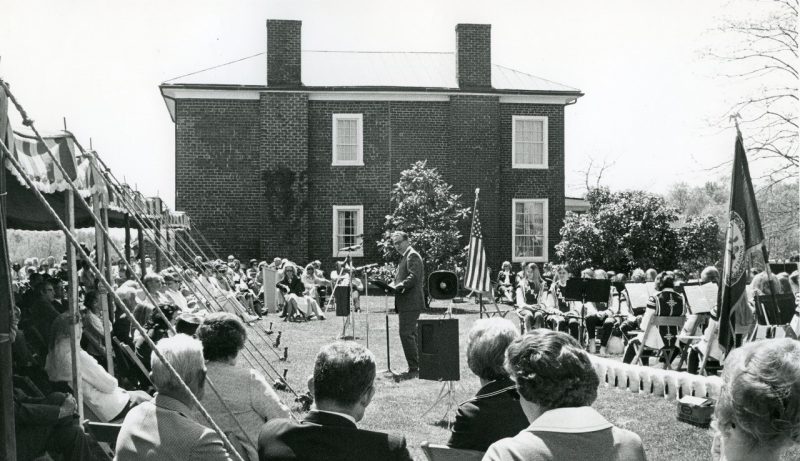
x=744 y=240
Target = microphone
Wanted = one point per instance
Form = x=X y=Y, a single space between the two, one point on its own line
x=351 y=248
x=366 y=266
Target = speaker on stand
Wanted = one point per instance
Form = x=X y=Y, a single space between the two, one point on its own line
x=437 y=342
x=387 y=292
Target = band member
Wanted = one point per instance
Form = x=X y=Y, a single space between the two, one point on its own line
x=409 y=297
x=505 y=282
x=599 y=315
x=666 y=303
x=528 y=291
x=567 y=319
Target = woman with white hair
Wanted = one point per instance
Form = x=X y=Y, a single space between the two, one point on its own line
x=758 y=410
x=166 y=428
x=494 y=412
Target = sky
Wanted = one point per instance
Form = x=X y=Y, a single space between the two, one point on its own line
x=652 y=106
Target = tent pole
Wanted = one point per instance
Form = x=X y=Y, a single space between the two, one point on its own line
x=158 y=243
x=100 y=252
x=109 y=313
x=72 y=300
x=128 y=274
x=7 y=426
x=142 y=264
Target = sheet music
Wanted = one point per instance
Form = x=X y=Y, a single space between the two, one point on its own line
x=637 y=295
x=701 y=298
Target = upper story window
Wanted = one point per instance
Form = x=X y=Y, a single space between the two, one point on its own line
x=348 y=148
x=348 y=227
x=529 y=141
x=529 y=230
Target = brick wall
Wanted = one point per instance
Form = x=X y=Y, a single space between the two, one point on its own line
x=525 y=183
x=468 y=139
x=474 y=56
x=216 y=172
x=283 y=53
x=283 y=148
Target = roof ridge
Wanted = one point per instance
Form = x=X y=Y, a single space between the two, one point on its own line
x=534 y=76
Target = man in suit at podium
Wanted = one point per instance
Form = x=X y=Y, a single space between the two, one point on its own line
x=409 y=298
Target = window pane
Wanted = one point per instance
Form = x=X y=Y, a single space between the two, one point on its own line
x=537 y=156
x=529 y=229
x=537 y=129
x=346 y=139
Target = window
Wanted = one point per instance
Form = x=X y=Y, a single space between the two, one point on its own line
x=348 y=225
x=529 y=232
x=529 y=142
x=347 y=140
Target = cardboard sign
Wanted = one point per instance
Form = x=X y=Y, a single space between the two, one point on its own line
x=701 y=298
x=270 y=279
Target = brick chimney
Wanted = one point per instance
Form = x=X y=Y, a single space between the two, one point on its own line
x=283 y=53
x=474 y=56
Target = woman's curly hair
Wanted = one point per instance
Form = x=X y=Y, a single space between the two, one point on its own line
x=552 y=370
x=761 y=392
x=222 y=334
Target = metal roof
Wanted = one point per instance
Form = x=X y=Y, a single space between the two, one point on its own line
x=367 y=69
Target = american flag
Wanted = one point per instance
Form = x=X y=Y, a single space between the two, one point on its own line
x=477 y=278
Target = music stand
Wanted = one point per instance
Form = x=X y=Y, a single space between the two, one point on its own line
x=387 y=291
x=586 y=290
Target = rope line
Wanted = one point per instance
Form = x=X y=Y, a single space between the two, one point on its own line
x=229 y=446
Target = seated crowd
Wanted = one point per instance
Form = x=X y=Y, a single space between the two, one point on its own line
x=175 y=298
x=542 y=301
x=536 y=391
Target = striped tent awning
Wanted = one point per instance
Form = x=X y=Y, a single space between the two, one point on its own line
x=39 y=166
x=177 y=220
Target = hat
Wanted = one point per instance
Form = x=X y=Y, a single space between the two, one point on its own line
x=188 y=323
x=253 y=261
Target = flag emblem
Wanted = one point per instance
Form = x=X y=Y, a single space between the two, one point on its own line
x=734 y=253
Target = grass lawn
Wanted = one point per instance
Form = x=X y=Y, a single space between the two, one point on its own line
x=398 y=407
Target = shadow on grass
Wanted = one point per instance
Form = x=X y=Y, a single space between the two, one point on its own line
x=441 y=311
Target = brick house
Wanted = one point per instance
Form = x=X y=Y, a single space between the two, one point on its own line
x=296 y=156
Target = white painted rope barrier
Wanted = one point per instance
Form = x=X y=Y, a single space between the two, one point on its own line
x=646 y=381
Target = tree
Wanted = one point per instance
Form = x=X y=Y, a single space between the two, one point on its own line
x=760 y=53
x=699 y=244
x=621 y=231
x=778 y=206
x=425 y=207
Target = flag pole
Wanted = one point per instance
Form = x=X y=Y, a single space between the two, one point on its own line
x=475 y=207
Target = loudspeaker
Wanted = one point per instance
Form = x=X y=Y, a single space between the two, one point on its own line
x=443 y=285
x=437 y=343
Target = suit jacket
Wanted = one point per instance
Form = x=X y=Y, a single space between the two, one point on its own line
x=163 y=429
x=409 y=283
x=327 y=436
x=493 y=414
x=579 y=434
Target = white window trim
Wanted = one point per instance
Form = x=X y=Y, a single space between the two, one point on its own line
x=545 y=225
x=359 y=161
x=529 y=166
x=359 y=229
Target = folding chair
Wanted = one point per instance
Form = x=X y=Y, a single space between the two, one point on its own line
x=685 y=341
x=105 y=433
x=655 y=322
x=445 y=453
